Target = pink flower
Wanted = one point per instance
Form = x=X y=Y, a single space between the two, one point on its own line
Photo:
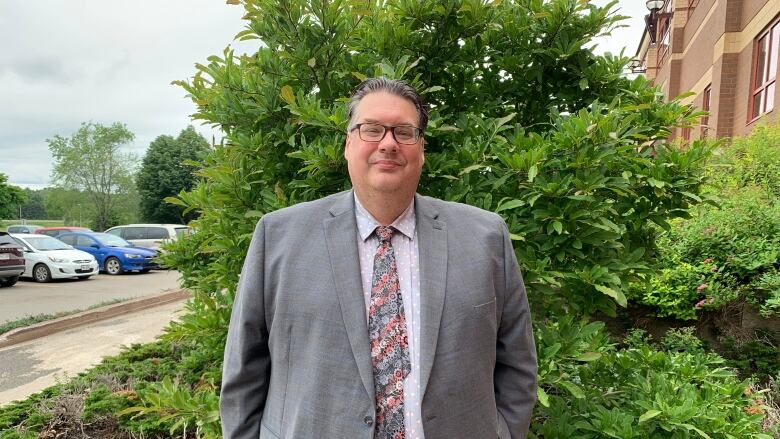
x=700 y=288
x=708 y=261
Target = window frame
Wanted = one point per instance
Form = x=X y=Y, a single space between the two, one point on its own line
x=770 y=62
x=706 y=105
x=665 y=32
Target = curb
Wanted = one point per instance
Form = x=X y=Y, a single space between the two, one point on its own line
x=49 y=327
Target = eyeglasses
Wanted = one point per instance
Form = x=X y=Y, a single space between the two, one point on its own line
x=374 y=132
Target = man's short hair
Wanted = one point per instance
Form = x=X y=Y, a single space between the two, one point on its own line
x=392 y=86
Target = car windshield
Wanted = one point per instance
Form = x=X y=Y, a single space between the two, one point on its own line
x=46 y=243
x=111 y=240
x=182 y=231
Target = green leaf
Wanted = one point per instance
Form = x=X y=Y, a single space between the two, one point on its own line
x=574 y=389
x=432 y=89
x=288 y=95
x=541 y=395
x=619 y=297
x=532 y=173
x=311 y=62
x=253 y=214
x=468 y=169
x=558 y=226
x=505 y=119
x=583 y=84
x=589 y=356
x=512 y=204
x=650 y=414
x=697 y=430
x=360 y=77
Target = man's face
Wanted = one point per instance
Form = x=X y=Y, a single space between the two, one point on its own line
x=385 y=166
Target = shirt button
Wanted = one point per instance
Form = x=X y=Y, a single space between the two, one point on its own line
x=368 y=420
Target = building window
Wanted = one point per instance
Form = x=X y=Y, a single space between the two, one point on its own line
x=664 y=31
x=706 y=103
x=762 y=100
x=686 y=134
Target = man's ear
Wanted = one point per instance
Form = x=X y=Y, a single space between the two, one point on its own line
x=346 y=145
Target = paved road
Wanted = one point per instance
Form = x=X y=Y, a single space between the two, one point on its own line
x=32 y=366
x=29 y=298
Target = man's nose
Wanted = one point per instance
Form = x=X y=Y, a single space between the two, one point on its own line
x=388 y=143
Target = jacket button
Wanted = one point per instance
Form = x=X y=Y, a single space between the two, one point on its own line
x=368 y=420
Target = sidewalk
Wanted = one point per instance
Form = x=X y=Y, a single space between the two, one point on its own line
x=57 y=351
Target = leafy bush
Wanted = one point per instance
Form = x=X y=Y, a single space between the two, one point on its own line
x=716 y=256
x=590 y=389
x=758 y=357
x=753 y=160
x=682 y=340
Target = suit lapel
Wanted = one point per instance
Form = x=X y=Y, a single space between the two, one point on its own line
x=341 y=238
x=432 y=235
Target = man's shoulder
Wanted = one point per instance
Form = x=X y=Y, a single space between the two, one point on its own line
x=451 y=210
x=307 y=210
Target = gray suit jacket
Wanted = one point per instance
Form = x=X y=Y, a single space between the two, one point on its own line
x=297 y=361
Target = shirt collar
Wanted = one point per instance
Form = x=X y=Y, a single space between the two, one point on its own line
x=405 y=223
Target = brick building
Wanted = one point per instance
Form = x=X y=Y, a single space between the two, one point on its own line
x=724 y=51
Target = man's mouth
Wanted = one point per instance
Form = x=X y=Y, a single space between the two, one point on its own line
x=386 y=164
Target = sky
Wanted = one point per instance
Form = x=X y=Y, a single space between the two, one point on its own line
x=65 y=62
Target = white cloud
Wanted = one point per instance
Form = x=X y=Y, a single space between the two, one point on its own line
x=66 y=62
x=105 y=61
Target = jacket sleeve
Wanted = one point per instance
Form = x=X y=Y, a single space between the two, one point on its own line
x=247 y=366
x=515 y=374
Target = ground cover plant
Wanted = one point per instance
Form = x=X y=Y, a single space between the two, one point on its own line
x=526 y=121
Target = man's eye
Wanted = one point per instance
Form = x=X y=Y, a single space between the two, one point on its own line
x=405 y=132
x=372 y=130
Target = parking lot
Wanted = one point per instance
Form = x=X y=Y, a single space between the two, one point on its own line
x=28 y=298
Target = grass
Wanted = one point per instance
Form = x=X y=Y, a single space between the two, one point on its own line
x=29 y=320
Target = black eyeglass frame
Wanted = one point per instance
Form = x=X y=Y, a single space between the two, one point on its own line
x=417 y=131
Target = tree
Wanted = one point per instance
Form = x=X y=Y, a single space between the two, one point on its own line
x=11 y=197
x=34 y=206
x=92 y=161
x=167 y=170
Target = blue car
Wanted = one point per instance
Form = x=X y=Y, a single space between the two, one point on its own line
x=114 y=255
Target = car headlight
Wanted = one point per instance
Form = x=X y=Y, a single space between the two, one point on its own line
x=133 y=256
x=56 y=259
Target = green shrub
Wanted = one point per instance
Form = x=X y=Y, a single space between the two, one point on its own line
x=682 y=340
x=753 y=160
x=758 y=358
x=716 y=256
x=593 y=390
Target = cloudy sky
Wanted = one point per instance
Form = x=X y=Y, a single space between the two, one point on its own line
x=65 y=62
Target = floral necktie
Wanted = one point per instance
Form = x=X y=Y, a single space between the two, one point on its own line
x=389 y=341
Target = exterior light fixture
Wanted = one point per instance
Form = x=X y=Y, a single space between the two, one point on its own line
x=651 y=20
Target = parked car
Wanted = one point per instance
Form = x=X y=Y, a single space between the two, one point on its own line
x=149 y=235
x=11 y=260
x=22 y=228
x=114 y=255
x=56 y=231
x=47 y=258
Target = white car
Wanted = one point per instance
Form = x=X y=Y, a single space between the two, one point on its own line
x=47 y=258
x=151 y=236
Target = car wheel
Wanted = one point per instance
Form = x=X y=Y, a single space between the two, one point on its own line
x=146 y=270
x=113 y=267
x=84 y=277
x=9 y=281
x=41 y=273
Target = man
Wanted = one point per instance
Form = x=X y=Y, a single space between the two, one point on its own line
x=322 y=345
